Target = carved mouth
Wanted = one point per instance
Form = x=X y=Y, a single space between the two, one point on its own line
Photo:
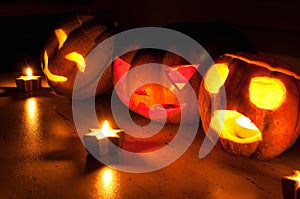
x=158 y=111
x=170 y=106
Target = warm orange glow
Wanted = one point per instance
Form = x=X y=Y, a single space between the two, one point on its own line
x=107 y=177
x=61 y=37
x=267 y=93
x=265 y=65
x=216 y=77
x=50 y=76
x=32 y=129
x=181 y=74
x=155 y=94
x=234 y=126
x=29 y=75
x=295 y=177
x=105 y=131
x=107 y=184
x=248 y=128
x=31 y=108
x=105 y=127
x=29 y=72
x=78 y=59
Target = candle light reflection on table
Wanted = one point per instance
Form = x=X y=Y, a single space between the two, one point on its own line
x=107 y=184
x=32 y=136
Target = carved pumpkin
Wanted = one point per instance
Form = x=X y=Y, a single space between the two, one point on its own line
x=152 y=98
x=261 y=119
x=64 y=55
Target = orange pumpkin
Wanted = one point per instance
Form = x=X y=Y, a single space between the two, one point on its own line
x=152 y=98
x=64 y=55
x=261 y=118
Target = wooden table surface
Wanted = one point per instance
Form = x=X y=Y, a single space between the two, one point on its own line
x=42 y=156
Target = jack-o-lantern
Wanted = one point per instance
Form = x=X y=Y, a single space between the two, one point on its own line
x=64 y=55
x=261 y=118
x=153 y=100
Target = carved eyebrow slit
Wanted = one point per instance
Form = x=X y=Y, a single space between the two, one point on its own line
x=61 y=37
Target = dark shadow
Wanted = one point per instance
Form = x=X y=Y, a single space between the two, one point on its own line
x=92 y=164
x=19 y=95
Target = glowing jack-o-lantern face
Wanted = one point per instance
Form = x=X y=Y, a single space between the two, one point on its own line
x=64 y=56
x=154 y=100
x=262 y=104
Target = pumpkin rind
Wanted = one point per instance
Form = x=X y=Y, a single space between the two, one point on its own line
x=84 y=32
x=158 y=93
x=279 y=127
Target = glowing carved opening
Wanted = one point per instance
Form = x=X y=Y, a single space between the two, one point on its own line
x=234 y=126
x=153 y=94
x=216 y=77
x=267 y=93
x=78 y=59
x=50 y=76
x=61 y=37
x=180 y=75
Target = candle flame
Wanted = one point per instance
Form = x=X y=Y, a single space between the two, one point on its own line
x=105 y=131
x=105 y=128
x=295 y=177
x=29 y=72
x=245 y=122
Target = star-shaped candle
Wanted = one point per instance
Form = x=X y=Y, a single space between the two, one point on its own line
x=29 y=82
x=103 y=141
x=290 y=186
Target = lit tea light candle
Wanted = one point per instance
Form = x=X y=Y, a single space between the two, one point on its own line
x=290 y=186
x=97 y=140
x=29 y=82
x=245 y=127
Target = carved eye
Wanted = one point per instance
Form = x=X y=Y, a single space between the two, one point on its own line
x=180 y=75
x=78 y=59
x=267 y=93
x=121 y=67
x=216 y=77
